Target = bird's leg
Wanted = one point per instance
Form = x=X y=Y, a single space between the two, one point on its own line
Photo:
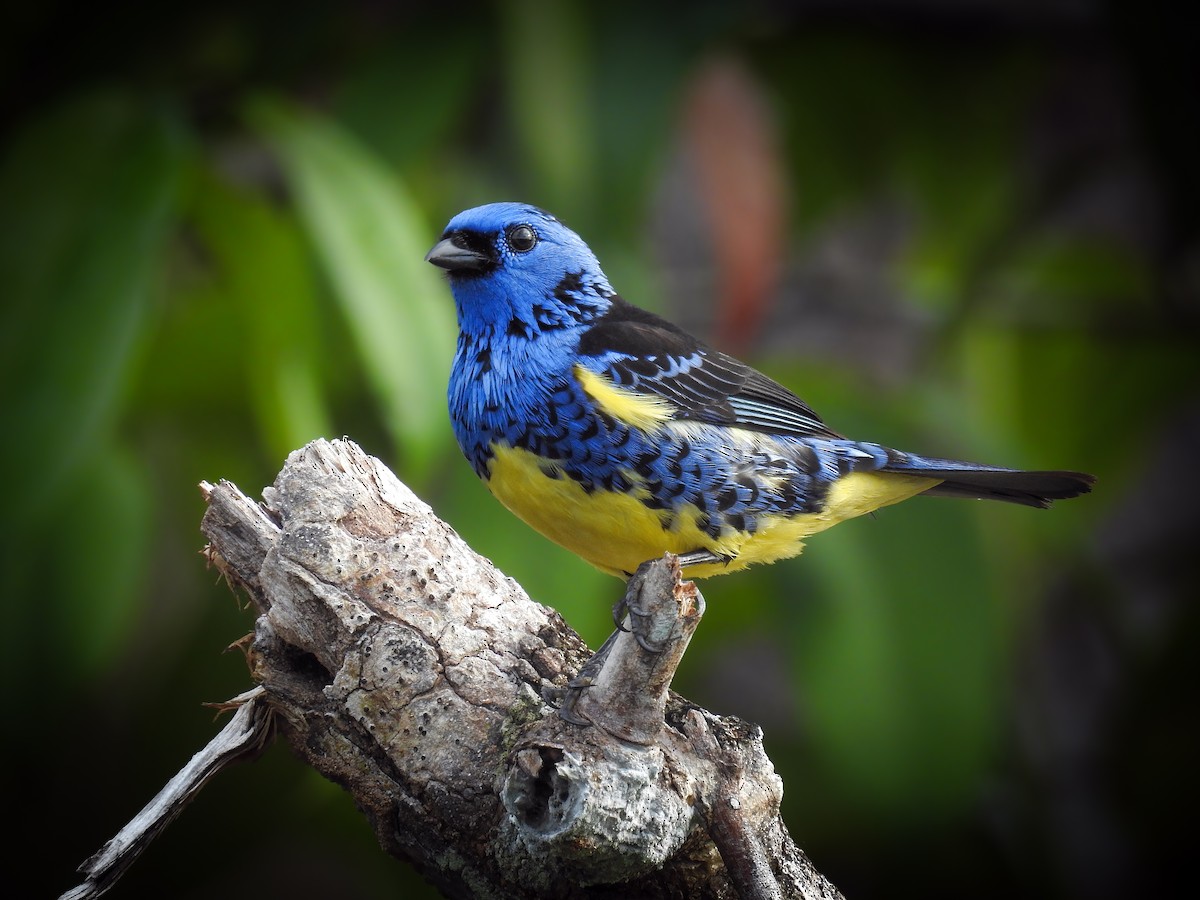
x=699 y=557
x=662 y=613
x=636 y=613
x=629 y=605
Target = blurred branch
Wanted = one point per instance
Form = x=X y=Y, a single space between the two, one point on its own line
x=404 y=667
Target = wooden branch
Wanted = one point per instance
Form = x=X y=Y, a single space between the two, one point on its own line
x=243 y=738
x=407 y=669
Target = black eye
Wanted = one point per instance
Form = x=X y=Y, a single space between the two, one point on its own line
x=522 y=238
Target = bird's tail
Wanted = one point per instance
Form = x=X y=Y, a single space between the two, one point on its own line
x=965 y=479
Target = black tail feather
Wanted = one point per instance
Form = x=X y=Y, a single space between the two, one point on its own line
x=1038 y=489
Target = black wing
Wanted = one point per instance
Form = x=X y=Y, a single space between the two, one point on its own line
x=639 y=350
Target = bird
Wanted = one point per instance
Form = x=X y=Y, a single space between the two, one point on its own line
x=621 y=437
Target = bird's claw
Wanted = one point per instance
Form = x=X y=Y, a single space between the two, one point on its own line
x=566 y=699
x=636 y=615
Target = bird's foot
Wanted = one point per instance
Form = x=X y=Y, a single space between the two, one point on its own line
x=629 y=607
x=631 y=615
x=634 y=614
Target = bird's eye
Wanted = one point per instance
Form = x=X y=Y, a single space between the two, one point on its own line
x=522 y=238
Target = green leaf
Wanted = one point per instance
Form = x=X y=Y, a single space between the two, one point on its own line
x=372 y=240
x=89 y=194
x=107 y=535
x=265 y=272
x=900 y=650
x=550 y=102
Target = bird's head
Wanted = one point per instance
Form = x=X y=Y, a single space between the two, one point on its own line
x=516 y=269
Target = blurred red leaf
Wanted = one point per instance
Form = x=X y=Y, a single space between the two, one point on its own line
x=731 y=132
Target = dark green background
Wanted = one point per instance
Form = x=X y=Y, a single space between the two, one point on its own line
x=211 y=228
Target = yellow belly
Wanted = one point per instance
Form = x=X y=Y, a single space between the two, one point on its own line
x=617 y=532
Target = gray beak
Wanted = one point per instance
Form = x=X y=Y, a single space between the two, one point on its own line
x=455 y=258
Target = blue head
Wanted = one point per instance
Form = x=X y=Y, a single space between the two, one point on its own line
x=515 y=268
x=526 y=288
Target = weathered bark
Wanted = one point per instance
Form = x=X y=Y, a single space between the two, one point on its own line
x=407 y=669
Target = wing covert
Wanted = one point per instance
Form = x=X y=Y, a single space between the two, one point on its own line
x=637 y=350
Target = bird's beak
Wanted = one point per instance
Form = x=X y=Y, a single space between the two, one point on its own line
x=456 y=258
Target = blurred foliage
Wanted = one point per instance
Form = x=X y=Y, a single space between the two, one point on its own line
x=211 y=243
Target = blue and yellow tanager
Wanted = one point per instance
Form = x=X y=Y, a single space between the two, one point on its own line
x=620 y=436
